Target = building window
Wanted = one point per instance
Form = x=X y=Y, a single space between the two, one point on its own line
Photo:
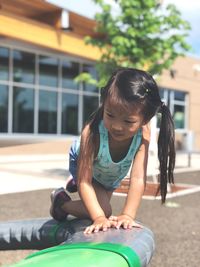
x=4 y=63
x=179 y=116
x=23 y=67
x=69 y=113
x=47 y=111
x=92 y=71
x=69 y=71
x=3 y=108
x=43 y=94
x=176 y=101
x=179 y=96
x=23 y=110
x=48 y=69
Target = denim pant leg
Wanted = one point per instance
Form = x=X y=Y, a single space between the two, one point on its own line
x=73 y=158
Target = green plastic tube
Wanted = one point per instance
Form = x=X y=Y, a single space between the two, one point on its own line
x=83 y=255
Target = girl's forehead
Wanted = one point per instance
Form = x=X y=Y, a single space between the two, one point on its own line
x=127 y=108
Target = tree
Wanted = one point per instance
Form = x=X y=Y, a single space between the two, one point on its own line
x=142 y=35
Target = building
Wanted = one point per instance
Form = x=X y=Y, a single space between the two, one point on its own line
x=42 y=50
x=180 y=89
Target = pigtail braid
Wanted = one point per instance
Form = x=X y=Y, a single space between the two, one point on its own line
x=166 y=150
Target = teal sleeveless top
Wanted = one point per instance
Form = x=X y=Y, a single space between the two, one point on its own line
x=105 y=170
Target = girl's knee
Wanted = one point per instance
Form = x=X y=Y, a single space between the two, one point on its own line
x=107 y=210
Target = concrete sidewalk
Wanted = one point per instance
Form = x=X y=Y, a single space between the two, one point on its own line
x=45 y=165
x=33 y=166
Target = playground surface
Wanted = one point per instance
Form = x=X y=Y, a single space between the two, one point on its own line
x=29 y=173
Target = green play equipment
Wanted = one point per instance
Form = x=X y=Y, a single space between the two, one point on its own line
x=67 y=246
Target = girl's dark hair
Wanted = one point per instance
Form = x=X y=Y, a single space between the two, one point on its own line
x=136 y=87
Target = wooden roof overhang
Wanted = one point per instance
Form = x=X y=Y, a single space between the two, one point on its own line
x=39 y=23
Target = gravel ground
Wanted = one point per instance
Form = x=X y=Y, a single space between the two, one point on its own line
x=176 y=225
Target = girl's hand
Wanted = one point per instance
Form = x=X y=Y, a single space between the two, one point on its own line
x=124 y=221
x=100 y=223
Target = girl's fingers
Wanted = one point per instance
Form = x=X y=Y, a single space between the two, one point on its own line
x=118 y=225
x=107 y=225
x=96 y=229
x=125 y=224
x=113 y=218
x=105 y=228
x=112 y=222
x=137 y=225
x=89 y=229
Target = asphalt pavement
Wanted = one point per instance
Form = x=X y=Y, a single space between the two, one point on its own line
x=176 y=225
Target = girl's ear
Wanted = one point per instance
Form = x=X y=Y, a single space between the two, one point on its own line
x=146 y=131
x=145 y=122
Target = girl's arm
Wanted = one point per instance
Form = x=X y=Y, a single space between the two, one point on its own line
x=137 y=184
x=86 y=189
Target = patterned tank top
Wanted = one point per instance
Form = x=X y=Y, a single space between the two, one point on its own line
x=105 y=170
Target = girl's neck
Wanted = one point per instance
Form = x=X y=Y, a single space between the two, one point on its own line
x=118 y=149
x=117 y=143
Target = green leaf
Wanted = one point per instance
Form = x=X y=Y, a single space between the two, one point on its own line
x=141 y=35
x=86 y=77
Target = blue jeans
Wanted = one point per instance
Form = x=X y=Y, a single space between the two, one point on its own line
x=73 y=158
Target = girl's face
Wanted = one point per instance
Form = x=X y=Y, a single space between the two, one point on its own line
x=121 y=123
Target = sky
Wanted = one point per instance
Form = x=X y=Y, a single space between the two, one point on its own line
x=190 y=11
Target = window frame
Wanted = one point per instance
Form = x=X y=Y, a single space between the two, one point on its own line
x=169 y=99
x=17 y=45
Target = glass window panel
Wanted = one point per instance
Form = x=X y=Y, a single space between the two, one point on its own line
x=47 y=112
x=69 y=71
x=69 y=113
x=161 y=93
x=179 y=110
x=90 y=69
x=3 y=108
x=90 y=103
x=23 y=110
x=4 y=63
x=48 y=68
x=23 y=67
x=179 y=116
x=179 y=96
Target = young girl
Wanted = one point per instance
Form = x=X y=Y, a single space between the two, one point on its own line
x=114 y=139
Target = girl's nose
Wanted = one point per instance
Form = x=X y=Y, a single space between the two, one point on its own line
x=117 y=127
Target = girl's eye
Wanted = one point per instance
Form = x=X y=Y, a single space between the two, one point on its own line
x=109 y=115
x=130 y=122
